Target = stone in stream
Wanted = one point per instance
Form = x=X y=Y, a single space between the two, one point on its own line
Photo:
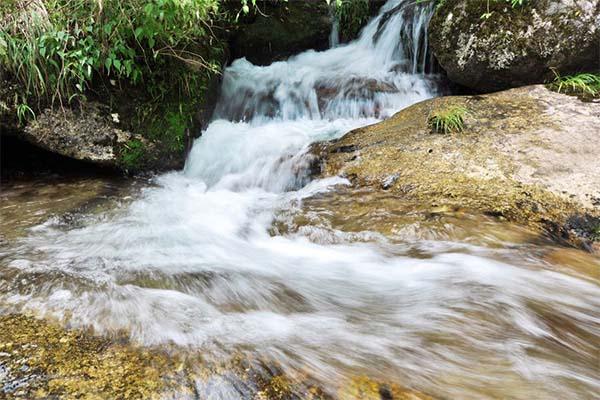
x=40 y=359
x=527 y=155
x=515 y=46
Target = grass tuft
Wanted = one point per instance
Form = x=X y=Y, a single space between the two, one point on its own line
x=586 y=84
x=448 y=120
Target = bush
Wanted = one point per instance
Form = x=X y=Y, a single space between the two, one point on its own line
x=55 y=48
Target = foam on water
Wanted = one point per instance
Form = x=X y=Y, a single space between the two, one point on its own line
x=192 y=260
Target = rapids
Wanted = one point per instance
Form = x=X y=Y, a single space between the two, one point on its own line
x=193 y=259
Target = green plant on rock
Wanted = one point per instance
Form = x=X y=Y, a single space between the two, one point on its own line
x=584 y=84
x=132 y=154
x=448 y=120
x=24 y=112
x=351 y=15
x=596 y=233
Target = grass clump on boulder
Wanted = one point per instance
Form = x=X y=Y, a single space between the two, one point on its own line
x=448 y=120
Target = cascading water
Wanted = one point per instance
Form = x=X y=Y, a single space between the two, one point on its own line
x=193 y=261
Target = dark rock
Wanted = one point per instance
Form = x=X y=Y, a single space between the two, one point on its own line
x=282 y=30
x=515 y=46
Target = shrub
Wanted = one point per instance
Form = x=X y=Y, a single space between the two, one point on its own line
x=448 y=120
x=55 y=49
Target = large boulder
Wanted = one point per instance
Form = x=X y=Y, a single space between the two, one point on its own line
x=281 y=29
x=511 y=47
x=526 y=155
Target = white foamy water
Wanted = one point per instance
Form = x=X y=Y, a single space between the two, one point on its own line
x=192 y=261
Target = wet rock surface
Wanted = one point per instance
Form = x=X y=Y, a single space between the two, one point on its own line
x=41 y=360
x=525 y=155
x=515 y=46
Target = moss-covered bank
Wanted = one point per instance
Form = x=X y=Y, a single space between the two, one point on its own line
x=137 y=78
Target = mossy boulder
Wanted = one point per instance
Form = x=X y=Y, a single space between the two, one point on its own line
x=282 y=29
x=525 y=155
x=503 y=47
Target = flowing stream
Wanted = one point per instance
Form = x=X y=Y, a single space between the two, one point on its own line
x=193 y=259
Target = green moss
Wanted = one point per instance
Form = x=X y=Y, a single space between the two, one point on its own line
x=596 y=233
x=169 y=126
x=352 y=16
x=166 y=114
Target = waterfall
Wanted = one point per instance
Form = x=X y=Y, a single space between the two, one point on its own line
x=373 y=76
x=334 y=35
x=267 y=115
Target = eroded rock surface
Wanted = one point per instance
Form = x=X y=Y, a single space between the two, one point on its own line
x=86 y=136
x=515 y=46
x=527 y=155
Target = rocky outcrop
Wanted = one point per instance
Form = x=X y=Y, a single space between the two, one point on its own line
x=281 y=29
x=527 y=155
x=87 y=135
x=511 y=47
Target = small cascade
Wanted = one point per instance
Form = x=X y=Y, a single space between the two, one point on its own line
x=372 y=77
x=408 y=22
x=267 y=116
x=197 y=258
x=334 y=36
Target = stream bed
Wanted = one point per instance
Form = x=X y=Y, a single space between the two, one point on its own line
x=241 y=254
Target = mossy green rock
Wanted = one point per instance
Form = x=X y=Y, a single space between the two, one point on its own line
x=41 y=360
x=503 y=47
x=526 y=155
